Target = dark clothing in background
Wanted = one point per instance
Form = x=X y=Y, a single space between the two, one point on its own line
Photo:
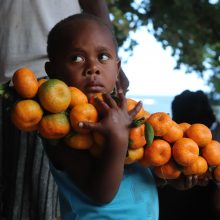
x=193 y=204
x=200 y=202
x=26 y=178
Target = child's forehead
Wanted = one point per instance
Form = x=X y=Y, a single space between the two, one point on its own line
x=91 y=29
x=79 y=31
x=79 y=25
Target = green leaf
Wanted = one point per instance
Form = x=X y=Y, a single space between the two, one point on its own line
x=149 y=133
x=137 y=122
x=130 y=142
x=1 y=92
x=211 y=168
x=4 y=88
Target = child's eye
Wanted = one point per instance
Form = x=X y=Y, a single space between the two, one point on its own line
x=77 y=59
x=103 y=57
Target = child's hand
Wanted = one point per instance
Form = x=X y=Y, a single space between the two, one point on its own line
x=187 y=182
x=104 y=175
x=204 y=179
x=116 y=119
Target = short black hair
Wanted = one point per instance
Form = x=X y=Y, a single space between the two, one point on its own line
x=56 y=32
x=192 y=107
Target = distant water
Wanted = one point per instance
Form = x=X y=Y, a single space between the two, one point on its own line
x=155 y=103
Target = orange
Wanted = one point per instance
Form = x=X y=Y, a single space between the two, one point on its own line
x=54 y=95
x=54 y=126
x=26 y=114
x=184 y=126
x=216 y=173
x=79 y=141
x=25 y=83
x=77 y=97
x=146 y=114
x=199 y=167
x=161 y=123
x=185 y=151
x=96 y=104
x=158 y=153
x=211 y=152
x=92 y=98
x=200 y=133
x=83 y=113
x=41 y=81
x=134 y=155
x=137 y=137
x=167 y=171
x=131 y=103
x=174 y=133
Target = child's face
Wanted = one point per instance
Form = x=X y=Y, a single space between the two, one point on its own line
x=87 y=58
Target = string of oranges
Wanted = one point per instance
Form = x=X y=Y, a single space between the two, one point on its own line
x=183 y=148
x=54 y=109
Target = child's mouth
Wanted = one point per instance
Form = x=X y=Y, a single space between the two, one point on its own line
x=94 y=88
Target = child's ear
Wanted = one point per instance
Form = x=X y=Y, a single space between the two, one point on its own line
x=49 y=69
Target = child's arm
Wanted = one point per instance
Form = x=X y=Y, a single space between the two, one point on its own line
x=99 y=179
x=96 y=7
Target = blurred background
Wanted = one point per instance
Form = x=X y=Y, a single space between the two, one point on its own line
x=167 y=47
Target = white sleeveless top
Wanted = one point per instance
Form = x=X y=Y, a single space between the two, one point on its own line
x=23 y=32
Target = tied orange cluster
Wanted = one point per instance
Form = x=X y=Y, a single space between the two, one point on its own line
x=184 y=148
x=55 y=110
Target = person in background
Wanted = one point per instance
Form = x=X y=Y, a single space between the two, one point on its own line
x=194 y=107
x=27 y=189
x=199 y=202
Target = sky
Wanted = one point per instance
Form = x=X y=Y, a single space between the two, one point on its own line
x=150 y=70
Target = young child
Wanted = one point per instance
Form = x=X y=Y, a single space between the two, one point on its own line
x=82 y=52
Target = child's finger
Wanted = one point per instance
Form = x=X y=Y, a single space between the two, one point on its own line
x=123 y=101
x=118 y=87
x=188 y=182
x=135 y=110
x=195 y=180
x=191 y=181
x=110 y=101
x=120 y=93
x=91 y=126
x=203 y=181
x=101 y=103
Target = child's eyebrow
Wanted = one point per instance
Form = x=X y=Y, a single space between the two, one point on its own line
x=98 y=49
x=76 y=49
x=105 y=49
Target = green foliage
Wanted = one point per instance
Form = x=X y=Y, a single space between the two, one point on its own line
x=190 y=28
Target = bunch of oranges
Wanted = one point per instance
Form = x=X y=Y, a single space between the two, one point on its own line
x=51 y=107
x=54 y=109
x=183 y=148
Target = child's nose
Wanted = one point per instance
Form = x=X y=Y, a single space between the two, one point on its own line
x=92 y=68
